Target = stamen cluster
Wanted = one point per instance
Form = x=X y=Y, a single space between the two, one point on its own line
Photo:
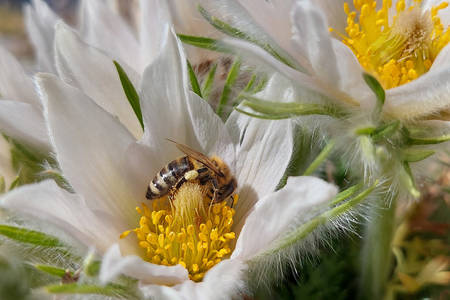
x=396 y=51
x=188 y=230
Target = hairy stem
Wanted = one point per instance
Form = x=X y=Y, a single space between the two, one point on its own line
x=376 y=254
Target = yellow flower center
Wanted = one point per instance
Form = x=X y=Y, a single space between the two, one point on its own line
x=399 y=50
x=186 y=230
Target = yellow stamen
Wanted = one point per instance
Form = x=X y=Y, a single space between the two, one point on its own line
x=396 y=51
x=187 y=230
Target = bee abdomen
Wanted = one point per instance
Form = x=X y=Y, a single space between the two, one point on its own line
x=168 y=177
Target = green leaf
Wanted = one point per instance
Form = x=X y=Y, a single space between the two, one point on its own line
x=58 y=178
x=261 y=85
x=193 y=78
x=229 y=82
x=15 y=183
x=55 y=271
x=130 y=92
x=283 y=110
x=346 y=193
x=320 y=158
x=27 y=162
x=415 y=155
x=205 y=43
x=376 y=87
x=92 y=268
x=365 y=131
x=208 y=82
x=385 y=131
x=428 y=141
x=236 y=33
x=408 y=179
x=29 y=236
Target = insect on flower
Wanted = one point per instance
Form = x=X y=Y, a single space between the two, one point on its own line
x=211 y=172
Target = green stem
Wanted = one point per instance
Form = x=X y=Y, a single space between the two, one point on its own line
x=229 y=82
x=376 y=252
x=320 y=158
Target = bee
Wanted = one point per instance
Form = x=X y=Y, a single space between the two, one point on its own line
x=195 y=166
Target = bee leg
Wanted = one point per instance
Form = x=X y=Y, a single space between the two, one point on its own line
x=188 y=176
x=180 y=182
x=232 y=201
x=216 y=189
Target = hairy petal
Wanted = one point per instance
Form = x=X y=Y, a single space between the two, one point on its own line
x=275 y=214
x=263 y=151
x=93 y=72
x=14 y=83
x=104 y=29
x=25 y=123
x=47 y=202
x=424 y=96
x=223 y=281
x=40 y=21
x=90 y=145
x=114 y=264
x=164 y=95
x=154 y=20
x=209 y=130
x=312 y=38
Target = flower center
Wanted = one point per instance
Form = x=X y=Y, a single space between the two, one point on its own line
x=188 y=230
x=399 y=51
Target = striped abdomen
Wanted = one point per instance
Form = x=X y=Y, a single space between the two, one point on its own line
x=168 y=177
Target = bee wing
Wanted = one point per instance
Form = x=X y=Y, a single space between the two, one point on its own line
x=197 y=156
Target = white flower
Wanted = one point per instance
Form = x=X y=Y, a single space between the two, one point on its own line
x=412 y=65
x=20 y=107
x=69 y=56
x=110 y=171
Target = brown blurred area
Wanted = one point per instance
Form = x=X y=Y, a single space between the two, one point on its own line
x=13 y=35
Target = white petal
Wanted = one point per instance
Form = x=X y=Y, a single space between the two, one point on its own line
x=164 y=100
x=40 y=21
x=350 y=72
x=442 y=61
x=257 y=56
x=424 y=96
x=274 y=215
x=47 y=202
x=273 y=18
x=25 y=123
x=209 y=130
x=93 y=72
x=14 y=83
x=114 y=264
x=6 y=169
x=90 y=146
x=312 y=37
x=107 y=31
x=444 y=14
x=262 y=156
x=155 y=18
x=334 y=12
x=223 y=281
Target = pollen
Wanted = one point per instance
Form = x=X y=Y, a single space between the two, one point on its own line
x=186 y=229
x=397 y=45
